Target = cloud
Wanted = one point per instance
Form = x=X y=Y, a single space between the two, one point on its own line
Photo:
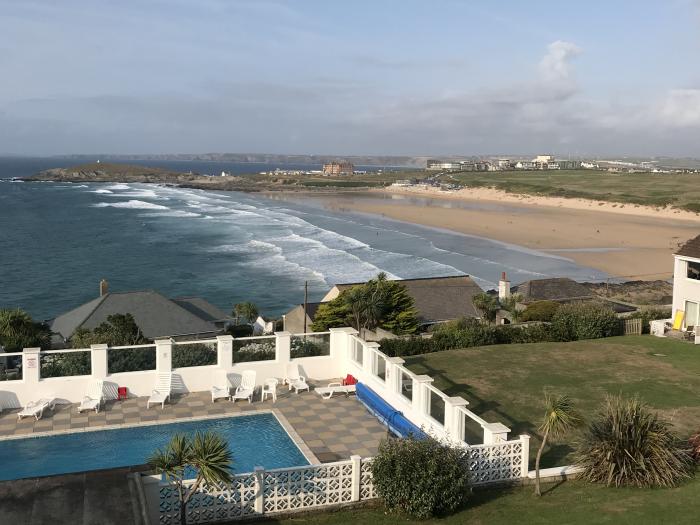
x=680 y=108
x=555 y=66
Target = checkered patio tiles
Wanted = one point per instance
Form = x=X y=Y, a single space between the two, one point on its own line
x=332 y=429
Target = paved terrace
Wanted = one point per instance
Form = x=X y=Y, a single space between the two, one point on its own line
x=333 y=429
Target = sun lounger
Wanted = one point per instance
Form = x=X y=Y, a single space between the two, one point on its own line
x=94 y=397
x=326 y=392
x=247 y=387
x=161 y=393
x=36 y=408
x=294 y=378
x=222 y=388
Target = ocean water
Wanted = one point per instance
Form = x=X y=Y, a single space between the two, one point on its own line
x=57 y=240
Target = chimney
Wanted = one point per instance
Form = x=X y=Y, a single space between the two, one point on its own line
x=104 y=287
x=503 y=287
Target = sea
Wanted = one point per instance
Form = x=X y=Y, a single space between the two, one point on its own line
x=58 y=240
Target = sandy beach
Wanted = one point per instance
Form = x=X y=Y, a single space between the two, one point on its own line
x=626 y=241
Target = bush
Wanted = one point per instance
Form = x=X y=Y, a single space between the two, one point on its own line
x=694 y=444
x=650 y=315
x=629 y=445
x=423 y=478
x=241 y=330
x=405 y=347
x=575 y=321
x=540 y=311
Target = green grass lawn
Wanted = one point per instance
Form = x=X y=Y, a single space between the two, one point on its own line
x=676 y=189
x=571 y=502
x=506 y=382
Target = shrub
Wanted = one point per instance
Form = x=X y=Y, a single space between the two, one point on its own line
x=650 y=315
x=694 y=445
x=423 y=478
x=408 y=346
x=627 y=444
x=540 y=311
x=575 y=321
x=241 y=330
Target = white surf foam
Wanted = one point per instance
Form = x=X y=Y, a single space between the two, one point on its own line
x=119 y=187
x=133 y=204
x=101 y=191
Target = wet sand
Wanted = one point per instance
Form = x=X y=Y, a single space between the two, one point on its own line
x=630 y=242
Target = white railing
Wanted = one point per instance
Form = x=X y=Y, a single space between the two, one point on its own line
x=265 y=492
x=188 y=377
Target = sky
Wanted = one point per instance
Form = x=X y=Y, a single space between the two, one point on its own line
x=382 y=77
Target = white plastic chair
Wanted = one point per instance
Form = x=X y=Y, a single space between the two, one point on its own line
x=94 y=397
x=269 y=389
x=246 y=388
x=222 y=388
x=161 y=393
x=36 y=408
x=294 y=378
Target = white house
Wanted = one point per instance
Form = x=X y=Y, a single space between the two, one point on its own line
x=686 y=284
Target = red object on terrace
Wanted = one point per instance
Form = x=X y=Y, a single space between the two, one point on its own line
x=349 y=380
x=121 y=393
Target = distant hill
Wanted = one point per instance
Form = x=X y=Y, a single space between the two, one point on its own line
x=271 y=158
x=113 y=172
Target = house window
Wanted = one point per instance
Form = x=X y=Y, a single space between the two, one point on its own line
x=693 y=270
x=691 y=314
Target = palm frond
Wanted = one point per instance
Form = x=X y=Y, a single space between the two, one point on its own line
x=560 y=415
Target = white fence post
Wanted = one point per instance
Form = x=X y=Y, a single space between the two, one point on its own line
x=98 y=361
x=525 y=461
x=393 y=374
x=164 y=355
x=495 y=433
x=340 y=343
x=420 y=395
x=224 y=351
x=454 y=421
x=283 y=347
x=369 y=357
x=31 y=366
x=356 y=477
x=259 y=490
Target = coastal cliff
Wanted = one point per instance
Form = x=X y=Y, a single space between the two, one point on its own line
x=107 y=172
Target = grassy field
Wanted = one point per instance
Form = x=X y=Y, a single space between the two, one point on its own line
x=506 y=382
x=572 y=502
x=678 y=189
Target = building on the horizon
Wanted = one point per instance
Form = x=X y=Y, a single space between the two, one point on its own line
x=336 y=168
x=435 y=164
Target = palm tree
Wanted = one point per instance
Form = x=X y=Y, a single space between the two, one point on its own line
x=207 y=453
x=487 y=304
x=247 y=311
x=18 y=330
x=560 y=417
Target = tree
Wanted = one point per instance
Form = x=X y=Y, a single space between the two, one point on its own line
x=207 y=454
x=487 y=304
x=246 y=311
x=628 y=444
x=117 y=330
x=18 y=331
x=379 y=302
x=560 y=417
x=510 y=304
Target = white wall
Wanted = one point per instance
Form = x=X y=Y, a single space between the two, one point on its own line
x=17 y=393
x=684 y=289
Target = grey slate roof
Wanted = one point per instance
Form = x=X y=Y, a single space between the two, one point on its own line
x=553 y=289
x=691 y=248
x=156 y=315
x=439 y=298
x=201 y=308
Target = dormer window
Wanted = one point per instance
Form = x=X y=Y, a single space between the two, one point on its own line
x=693 y=270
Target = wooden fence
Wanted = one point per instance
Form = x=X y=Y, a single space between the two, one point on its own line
x=631 y=327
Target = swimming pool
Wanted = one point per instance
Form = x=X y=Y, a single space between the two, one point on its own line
x=255 y=440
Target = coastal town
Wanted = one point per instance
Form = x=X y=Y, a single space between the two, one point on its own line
x=371 y=262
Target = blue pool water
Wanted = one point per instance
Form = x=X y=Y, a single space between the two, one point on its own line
x=255 y=440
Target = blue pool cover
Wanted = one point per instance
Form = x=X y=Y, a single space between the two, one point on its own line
x=387 y=414
x=254 y=440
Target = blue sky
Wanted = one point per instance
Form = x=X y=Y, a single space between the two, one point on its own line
x=594 y=78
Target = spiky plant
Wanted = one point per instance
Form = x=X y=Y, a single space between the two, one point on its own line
x=694 y=445
x=628 y=444
x=560 y=418
x=207 y=454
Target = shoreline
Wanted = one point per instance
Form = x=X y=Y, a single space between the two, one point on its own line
x=629 y=242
